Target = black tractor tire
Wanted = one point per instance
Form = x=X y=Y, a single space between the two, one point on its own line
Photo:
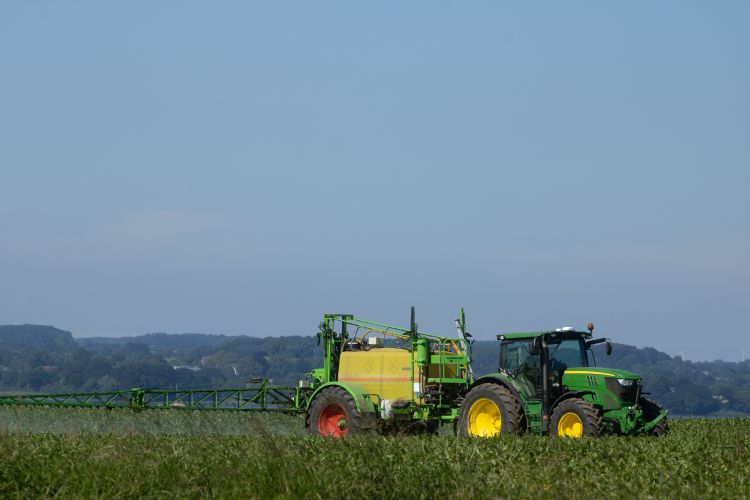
x=651 y=410
x=333 y=413
x=578 y=419
x=480 y=409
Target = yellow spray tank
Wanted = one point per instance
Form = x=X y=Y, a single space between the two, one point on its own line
x=374 y=372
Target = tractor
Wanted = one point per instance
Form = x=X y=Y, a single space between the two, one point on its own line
x=548 y=383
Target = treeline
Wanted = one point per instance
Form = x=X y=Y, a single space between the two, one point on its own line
x=44 y=359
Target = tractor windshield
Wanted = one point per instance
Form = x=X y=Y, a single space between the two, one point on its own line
x=568 y=352
x=564 y=354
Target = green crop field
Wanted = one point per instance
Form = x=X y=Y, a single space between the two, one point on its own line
x=118 y=453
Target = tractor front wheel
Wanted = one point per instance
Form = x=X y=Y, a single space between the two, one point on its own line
x=651 y=410
x=334 y=414
x=575 y=418
x=490 y=410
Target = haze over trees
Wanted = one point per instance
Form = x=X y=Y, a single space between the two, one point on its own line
x=37 y=358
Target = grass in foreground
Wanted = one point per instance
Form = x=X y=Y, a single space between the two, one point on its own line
x=699 y=458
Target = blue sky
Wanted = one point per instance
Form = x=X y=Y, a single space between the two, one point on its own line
x=243 y=168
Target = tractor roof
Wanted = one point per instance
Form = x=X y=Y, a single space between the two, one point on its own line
x=559 y=332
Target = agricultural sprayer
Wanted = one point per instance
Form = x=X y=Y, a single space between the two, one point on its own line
x=383 y=378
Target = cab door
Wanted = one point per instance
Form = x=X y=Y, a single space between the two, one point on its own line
x=522 y=366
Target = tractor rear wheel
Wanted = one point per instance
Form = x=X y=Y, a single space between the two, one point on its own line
x=490 y=410
x=651 y=410
x=333 y=413
x=575 y=418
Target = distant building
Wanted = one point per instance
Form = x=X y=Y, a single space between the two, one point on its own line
x=191 y=368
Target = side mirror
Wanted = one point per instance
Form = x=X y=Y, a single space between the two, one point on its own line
x=533 y=347
x=608 y=347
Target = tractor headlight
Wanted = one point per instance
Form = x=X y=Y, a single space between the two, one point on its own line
x=625 y=382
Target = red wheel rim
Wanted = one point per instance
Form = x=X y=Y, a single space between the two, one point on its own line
x=332 y=421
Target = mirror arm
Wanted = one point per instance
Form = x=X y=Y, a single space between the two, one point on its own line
x=589 y=343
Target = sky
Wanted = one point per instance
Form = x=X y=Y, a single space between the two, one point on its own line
x=244 y=168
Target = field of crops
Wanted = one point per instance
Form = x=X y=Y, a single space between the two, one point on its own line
x=74 y=453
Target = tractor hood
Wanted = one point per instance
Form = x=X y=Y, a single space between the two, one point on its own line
x=612 y=389
x=596 y=370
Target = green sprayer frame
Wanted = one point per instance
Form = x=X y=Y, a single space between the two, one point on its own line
x=258 y=397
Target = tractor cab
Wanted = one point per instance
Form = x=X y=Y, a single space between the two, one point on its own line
x=524 y=356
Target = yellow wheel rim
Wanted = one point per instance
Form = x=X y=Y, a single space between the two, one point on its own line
x=570 y=425
x=484 y=418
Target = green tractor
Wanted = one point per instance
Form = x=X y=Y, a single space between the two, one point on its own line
x=548 y=382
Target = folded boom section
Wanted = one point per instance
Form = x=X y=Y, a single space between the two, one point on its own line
x=262 y=397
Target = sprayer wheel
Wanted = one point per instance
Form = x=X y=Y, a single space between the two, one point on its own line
x=334 y=413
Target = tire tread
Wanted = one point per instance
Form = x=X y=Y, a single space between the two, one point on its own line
x=651 y=410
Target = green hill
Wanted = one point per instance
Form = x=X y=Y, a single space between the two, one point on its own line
x=47 y=338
